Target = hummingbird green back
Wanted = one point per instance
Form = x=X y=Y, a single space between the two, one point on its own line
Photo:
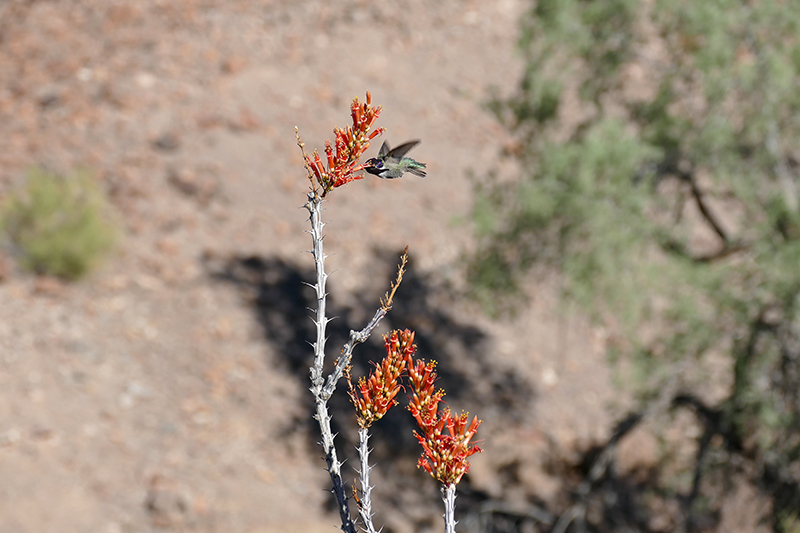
x=392 y=163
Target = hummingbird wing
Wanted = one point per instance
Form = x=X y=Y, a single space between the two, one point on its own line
x=384 y=149
x=403 y=149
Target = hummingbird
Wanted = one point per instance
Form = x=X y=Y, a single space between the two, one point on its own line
x=391 y=163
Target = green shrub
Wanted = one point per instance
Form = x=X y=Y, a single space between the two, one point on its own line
x=662 y=180
x=62 y=226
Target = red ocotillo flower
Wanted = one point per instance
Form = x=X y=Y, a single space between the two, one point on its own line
x=445 y=438
x=341 y=162
x=375 y=395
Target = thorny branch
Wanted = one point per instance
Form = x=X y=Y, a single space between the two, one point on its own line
x=323 y=388
x=446 y=441
x=365 y=503
x=357 y=337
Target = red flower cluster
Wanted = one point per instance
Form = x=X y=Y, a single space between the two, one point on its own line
x=374 y=396
x=445 y=437
x=350 y=144
x=444 y=453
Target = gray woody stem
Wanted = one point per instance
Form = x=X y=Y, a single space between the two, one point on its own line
x=449 y=497
x=314 y=206
x=321 y=389
x=365 y=504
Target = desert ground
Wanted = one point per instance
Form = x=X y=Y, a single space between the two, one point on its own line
x=168 y=390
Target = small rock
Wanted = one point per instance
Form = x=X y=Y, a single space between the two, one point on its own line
x=168 y=246
x=167 y=505
x=191 y=183
x=145 y=80
x=549 y=377
x=11 y=436
x=233 y=64
x=42 y=434
x=48 y=97
x=167 y=142
x=246 y=121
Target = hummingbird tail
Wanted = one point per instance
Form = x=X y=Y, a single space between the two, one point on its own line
x=417 y=172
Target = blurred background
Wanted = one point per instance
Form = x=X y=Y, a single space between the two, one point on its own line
x=605 y=260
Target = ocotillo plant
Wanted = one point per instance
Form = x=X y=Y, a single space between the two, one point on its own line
x=445 y=438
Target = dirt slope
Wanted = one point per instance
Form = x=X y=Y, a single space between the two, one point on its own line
x=168 y=390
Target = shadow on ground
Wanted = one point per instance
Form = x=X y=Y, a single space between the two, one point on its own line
x=596 y=497
x=277 y=291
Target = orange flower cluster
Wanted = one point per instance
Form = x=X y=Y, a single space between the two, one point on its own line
x=444 y=453
x=374 y=396
x=445 y=437
x=350 y=144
